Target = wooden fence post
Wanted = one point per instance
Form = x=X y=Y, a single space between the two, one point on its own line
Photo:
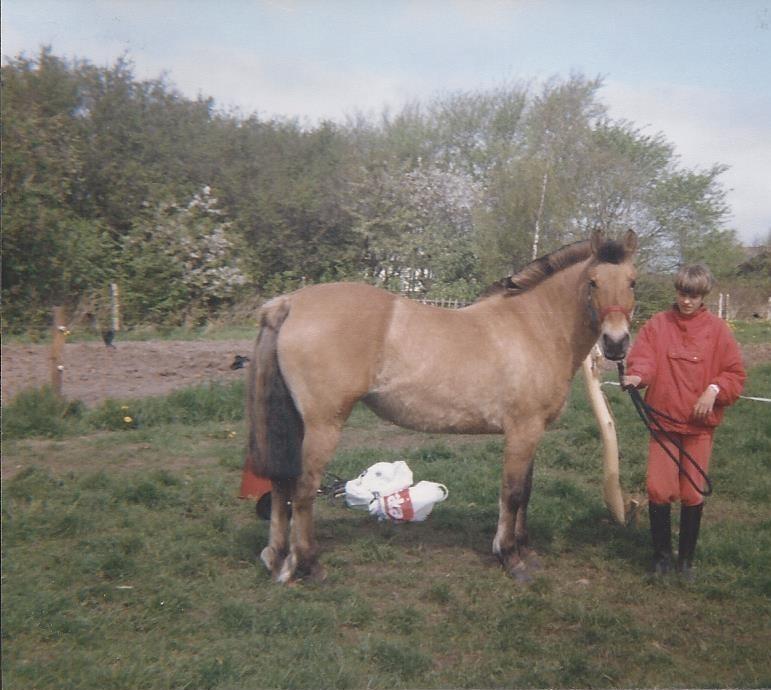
x=115 y=306
x=59 y=334
x=611 y=489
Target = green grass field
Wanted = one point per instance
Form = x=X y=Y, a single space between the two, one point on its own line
x=129 y=563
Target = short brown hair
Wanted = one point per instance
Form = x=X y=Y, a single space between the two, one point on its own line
x=695 y=280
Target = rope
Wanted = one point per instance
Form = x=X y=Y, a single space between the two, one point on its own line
x=742 y=397
x=649 y=416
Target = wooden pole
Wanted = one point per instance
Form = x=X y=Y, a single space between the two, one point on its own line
x=115 y=304
x=59 y=333
x=614 y=498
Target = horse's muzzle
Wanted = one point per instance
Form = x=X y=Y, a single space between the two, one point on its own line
x=614 y=349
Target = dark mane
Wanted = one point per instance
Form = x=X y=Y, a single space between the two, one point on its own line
x=610 y=251
x=537 y=271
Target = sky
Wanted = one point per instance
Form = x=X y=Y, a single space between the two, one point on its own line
x=697 y=71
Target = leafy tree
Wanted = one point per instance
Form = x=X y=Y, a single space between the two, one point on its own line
x=438 y=198
x=49 y=251
x=416 y=227
x=181 y=265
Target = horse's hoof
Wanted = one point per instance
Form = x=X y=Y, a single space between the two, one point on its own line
x=533 y=561
x=294 y=569
x=520 y=573
x=287 y=571
x=315 y=573
x=267 y=556
x=271 y=560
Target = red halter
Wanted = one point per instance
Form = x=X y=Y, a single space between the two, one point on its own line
x=615 y=307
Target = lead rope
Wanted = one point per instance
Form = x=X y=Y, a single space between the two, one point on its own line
x=649 y=416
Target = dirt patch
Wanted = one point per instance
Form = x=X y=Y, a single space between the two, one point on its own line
x=94 y=372
x=757 y=353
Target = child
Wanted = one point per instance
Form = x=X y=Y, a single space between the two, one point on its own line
x=692 y=368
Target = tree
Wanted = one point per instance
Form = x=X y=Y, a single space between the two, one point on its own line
x=415 y=225
x=50 y=252
x=181 y=265
x=689 y=210
x=438 y=198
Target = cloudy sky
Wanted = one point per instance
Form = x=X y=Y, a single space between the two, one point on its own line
x=697 y=71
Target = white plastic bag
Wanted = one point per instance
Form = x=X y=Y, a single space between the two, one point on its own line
x=412 y=504
x=382 y=478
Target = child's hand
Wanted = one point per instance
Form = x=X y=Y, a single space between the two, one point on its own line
x=631 y=381
x=704 y=404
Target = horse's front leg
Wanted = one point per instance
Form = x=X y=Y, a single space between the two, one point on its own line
x=319 y=444
x=511 y=539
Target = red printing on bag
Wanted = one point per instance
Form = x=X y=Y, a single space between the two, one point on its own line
x=398 y=506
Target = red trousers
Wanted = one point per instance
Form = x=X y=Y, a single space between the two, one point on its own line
x=666 y=484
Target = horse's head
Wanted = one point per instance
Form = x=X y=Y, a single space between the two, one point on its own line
x=611 y=277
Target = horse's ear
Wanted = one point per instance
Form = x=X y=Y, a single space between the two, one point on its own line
x=598 y=237
x=630 y=242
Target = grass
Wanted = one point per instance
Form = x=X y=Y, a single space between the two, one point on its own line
x=757 y=331
x=39 y=412
x=128 y=563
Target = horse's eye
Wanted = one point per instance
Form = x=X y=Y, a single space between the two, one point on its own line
x=632 y=284
x=592 y=283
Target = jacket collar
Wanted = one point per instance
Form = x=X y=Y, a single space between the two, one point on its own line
x=684 y=320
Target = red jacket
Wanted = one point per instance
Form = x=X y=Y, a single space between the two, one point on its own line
x=677 y=357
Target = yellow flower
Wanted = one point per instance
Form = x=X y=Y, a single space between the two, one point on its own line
x=128 y=420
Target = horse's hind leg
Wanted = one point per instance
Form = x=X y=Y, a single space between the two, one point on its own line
x=275 y=552
x=319 y=446
x=511 y=539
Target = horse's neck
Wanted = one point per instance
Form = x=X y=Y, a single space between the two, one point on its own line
x=566 y=324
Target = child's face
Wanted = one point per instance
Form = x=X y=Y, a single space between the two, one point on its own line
x=688 y=304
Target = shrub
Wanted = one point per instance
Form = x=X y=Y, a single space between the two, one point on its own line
x=40 y=412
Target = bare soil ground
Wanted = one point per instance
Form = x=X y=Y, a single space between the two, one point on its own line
x=93 y=372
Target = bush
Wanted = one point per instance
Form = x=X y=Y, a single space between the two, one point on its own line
x=40 y=412
x=212 y=402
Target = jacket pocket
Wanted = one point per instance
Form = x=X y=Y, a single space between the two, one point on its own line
x=687 y=372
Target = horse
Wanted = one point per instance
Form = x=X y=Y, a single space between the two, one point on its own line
x=502 y=365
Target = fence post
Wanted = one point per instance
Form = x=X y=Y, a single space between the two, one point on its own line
x=115 y=306
x=57 y=346
x=611 y=489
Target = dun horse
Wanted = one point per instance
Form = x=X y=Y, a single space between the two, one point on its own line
x=502 y=365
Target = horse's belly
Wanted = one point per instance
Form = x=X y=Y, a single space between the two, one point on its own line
x=423 y=411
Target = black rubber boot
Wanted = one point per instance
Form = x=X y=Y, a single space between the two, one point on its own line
x=661 y=530
x=690 y=521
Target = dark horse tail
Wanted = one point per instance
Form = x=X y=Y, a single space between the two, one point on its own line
x=275 y=425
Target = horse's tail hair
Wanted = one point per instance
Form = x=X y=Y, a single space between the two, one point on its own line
x=275 y=425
